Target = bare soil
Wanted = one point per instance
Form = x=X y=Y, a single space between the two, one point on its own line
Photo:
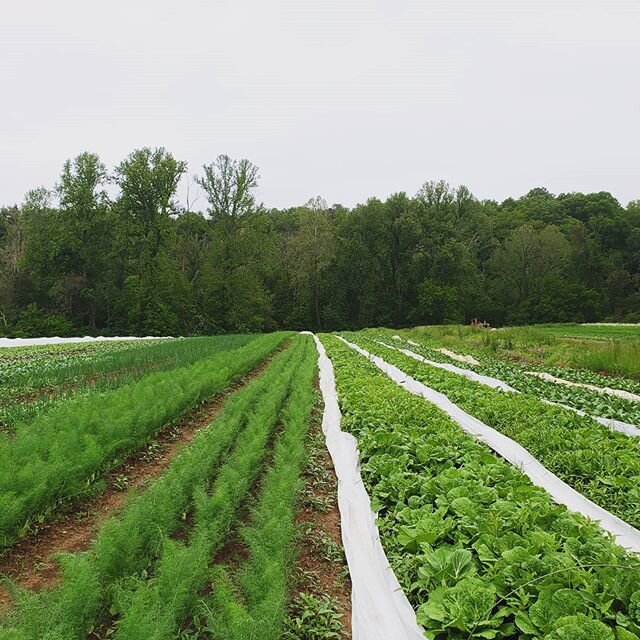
x=316 y=574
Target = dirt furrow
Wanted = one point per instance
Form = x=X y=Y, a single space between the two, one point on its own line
x=321 y=568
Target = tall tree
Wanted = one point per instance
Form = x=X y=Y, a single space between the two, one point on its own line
x=73 y=260
x=309 y=253
x=83 y=217
x=526 y=263
x=243 y=244
x=148 y=181
x=228 y=185
x=12 y=249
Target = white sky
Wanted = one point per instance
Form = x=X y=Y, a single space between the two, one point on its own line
x=341 y=98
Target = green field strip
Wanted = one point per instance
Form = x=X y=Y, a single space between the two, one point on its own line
x=614 y=353
x=514 y=453
x=160 y=605
x=478 y=549
x=600 y=464
x=499 y=356
x=64 y=451
x=495 y=383
x=34 y=386
x=592 y=402
x=252 y=603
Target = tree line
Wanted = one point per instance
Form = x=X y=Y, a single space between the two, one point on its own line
x=114 y=252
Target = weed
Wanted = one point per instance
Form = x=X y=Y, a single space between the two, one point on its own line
x=121 y=482
x=313 y=618
x=152 y=452
x=329 y=549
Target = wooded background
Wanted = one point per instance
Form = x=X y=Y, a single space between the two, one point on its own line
x=114 y=252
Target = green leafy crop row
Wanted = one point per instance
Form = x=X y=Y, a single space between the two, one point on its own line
x=584 y=352
x=592 y=402
x=155 y=608
x=467 y=343
x=479 y=550
x=63 y=451
x=19 y=364
x=601 y=464
x=136 y=571
x=253 y=605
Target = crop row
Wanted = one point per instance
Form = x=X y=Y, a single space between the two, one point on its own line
x=587 y=358
x=479 y=550
x=199 y=494
x=251 y=603
x=601 y=464
x=65 y=450
x=156 y=608
x=27 y=369
x=31 y=388
x=572 y=373
x=586 y=376
x=25 y=361
x=592 y=402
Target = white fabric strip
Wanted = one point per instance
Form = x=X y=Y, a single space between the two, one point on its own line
x=380 y=609
x=610 y=324
x=621 y=393
x=31 y=342
x=627 y=395
x=488 y=381
x=514 y=453
x=456 y=356
x=615 y=425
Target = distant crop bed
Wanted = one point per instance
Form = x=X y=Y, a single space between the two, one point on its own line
x=606 y=349
x=597 y=331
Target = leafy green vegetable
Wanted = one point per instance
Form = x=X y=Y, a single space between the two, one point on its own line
x=479 y=550
x=514 y=374
x=601 y=464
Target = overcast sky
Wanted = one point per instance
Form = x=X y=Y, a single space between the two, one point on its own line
x=340 y=98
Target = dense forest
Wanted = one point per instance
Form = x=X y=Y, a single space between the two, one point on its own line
x=114 y=252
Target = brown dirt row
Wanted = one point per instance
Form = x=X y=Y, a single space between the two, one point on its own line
x=318 y=572
x=30 y=563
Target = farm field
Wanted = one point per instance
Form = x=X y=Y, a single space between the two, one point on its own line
x=599 y=348
x=187 y=488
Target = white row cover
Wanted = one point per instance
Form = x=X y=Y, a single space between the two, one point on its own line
x=626 y=535
x=456 y=356
x=488 y=381
x=31 y=342
x=380 y=609
x=610 y=324
x=627 y=395
x=450 y=354
x=615 y=425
